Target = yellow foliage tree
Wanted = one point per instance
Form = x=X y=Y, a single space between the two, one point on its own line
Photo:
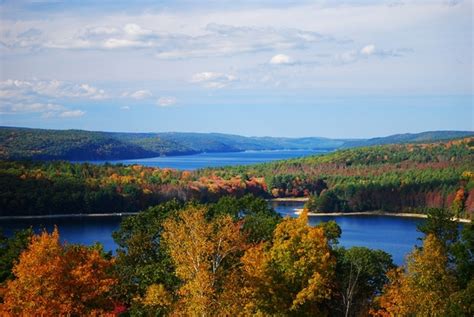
x=424 y=289
x=157 y=296
x=295 y=274
x=200 y=249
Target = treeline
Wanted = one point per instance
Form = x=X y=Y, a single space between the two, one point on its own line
x=391 y=178
x=409 y=177
x=36 y=188
x=236 y=257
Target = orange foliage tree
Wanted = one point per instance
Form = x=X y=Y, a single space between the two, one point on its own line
x=52 y=279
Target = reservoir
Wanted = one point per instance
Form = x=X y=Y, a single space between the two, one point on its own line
x=203 y=160
x=395 y=235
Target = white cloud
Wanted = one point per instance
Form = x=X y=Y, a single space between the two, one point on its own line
x=32 y=107
x=48 y=88
x=106 y=37
x=213 y=79
x=257 y=31
x=125 y=107
x=139 y=94
x=47 y=110
x=368 y=49
x=281 y=59
x=136 y=30
x=40 y=96
x=211 y=39
x=71 y=114
x=166 y=101
x=228 y=40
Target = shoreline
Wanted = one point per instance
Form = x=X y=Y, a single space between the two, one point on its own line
x=289 y=199
x=297 y=212
x=375 y=213
x=111 y=214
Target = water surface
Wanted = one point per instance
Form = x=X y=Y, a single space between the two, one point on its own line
x=203 y=160
x=395 y=235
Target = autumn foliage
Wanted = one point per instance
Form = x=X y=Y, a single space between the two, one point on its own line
x=424 y=289
x=237 y=257
x=52 y=279
x=205 y=254
x=294 y=274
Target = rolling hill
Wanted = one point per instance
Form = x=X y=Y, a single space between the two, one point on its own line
x=40 y=144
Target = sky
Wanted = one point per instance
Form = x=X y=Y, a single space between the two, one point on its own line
x=340 y=69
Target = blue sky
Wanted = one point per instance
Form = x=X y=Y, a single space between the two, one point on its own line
x=278 y=68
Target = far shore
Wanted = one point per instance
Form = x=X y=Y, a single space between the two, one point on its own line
x=290 y=199
x=112 y=214
x=297 y=211
x=375 y=213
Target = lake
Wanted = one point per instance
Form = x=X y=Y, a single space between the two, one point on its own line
x=395 y=235
x=203 y=160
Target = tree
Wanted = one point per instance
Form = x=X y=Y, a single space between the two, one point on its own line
x=327 y=201
x=52 y=279
x=332 y=231
x=205 y=254
x=426 y=286
x=440 y=225
x=141 y=259
x=294 y=274
x=462 y=252
x=10 y=250
x=259 y=219
x=361 y=274
x=459 y=202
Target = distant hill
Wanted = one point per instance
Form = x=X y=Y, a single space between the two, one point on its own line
x=429 y=136
x=41 y=144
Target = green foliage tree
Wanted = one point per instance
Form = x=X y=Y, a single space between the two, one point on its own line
x=360 y=274
x=440 y=224
x=259 y=219
x=10 y=250
x=141 y=260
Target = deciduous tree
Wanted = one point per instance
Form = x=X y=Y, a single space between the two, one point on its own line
x=52 y=279
x=426 y=286
x=294 y=274
x=205 y=254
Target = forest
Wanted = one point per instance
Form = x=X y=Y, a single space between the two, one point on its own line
x=207 y=243
x=77 y=145
x=235 y=257
x=393 y=178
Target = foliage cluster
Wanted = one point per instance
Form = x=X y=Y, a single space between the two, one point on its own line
x=391 y=178
x=194 y=259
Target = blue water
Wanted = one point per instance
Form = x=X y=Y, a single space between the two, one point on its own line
x=203 y=160
x=394 y=235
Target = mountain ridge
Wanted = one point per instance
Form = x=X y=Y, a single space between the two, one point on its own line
x=74 y=144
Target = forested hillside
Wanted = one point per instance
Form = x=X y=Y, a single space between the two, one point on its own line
x=39 y=144
x=408 y=177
